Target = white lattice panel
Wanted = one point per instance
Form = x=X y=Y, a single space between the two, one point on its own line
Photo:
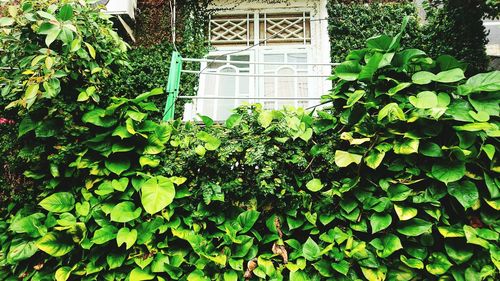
x=230 y=30
x=282 y=28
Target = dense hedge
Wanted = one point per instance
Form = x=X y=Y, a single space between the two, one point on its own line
x=352 y=22
x=396 y=180
x=451 y=27
x=457 y=28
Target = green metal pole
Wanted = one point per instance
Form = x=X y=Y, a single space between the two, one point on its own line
x=174 y=79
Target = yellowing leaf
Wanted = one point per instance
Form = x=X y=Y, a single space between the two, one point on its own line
x=91 y=50
x=344 y=158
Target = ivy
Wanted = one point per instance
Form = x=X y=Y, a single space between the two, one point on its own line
x=383 y=183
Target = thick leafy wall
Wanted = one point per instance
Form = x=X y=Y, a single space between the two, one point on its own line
x=352 y=22
x=396 y=180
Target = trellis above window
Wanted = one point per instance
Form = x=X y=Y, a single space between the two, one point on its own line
x=269 y=28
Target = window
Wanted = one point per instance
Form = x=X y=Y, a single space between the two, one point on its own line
x=282 y=45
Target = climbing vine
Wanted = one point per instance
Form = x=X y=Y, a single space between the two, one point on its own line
x=396 y=178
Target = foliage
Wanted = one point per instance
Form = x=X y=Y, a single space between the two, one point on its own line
x=458 y=27
x=149 y=58
x=352 y=22
x=397 y=180
x=42 y=42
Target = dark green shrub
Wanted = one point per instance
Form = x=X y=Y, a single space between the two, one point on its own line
x=455 y=27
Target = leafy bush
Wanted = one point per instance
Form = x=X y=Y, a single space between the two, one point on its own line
x=52 y=56
x=397 y=180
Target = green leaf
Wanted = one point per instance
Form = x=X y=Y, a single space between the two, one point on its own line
x=311 y=250
x=46 y=15
x=423 y=77
x=66 y=12
x=413 y=263
x=465 y=192
x=451 y=231
x=247 y=219
x=348 y=70
x=233 y=120
x=379 y=43
x=372 y=65
x=314 y=185
x=430 y=149
x=386 y=245
x=298 y=275
x=394 y=90
x=115 y=260
x=423 y=100
x=374 y=274
x=26 y=126
x=138 y=274
x=22 y=251
x=125 y=212
x=211 y=142
x=448 y=171
x=480 y=116
x=117 y=165
x=458 y=252
x=414 y=227
x=98 y=117
x=439 y=264
x=230 y=276
x=5 y=21
x=200 y=150
x=475 y=127
x=63 y=273
x=265 y=118
x=398 y=192
x=156 y=194
x=206 y=120
x=344 y=158
x=353 y=98
x=406 y=146
x=52 y=36
x=374 y=158
x=104 y=234
x=91 y=50
x=45 y=29
x=31 y=94
x=30 y=225
x=450 y=76
x=380 y=222
x=341 y=267
x=405 y=213
x=54 y=244
x=485 y=104
x=447 y=62
x=126 y=236
x=147 y=161
x=483 y=82
x=493 y=186
x=392 y=111
x=59 y=202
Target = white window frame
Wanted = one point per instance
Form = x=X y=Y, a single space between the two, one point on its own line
x=315 y=52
